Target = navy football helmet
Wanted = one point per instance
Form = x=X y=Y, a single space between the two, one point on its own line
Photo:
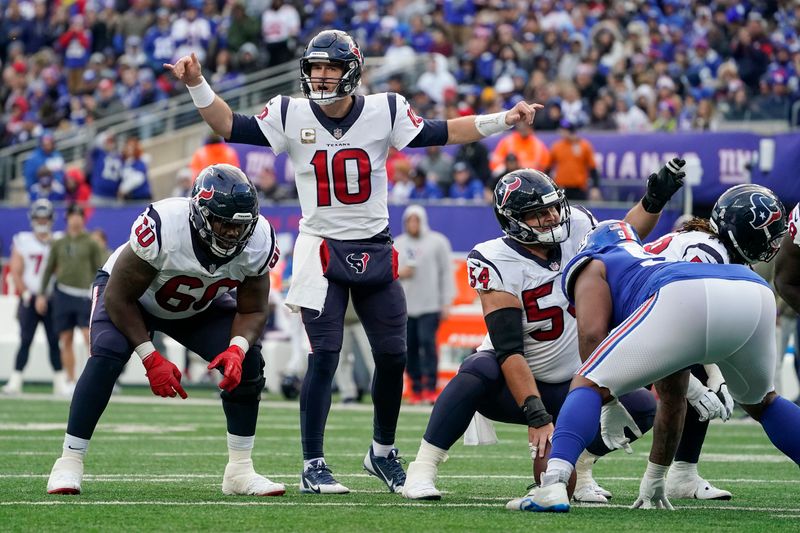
x=40 y=210
x=751 y=221
x=224 y=209
x=521 y=192
x=340 y=49
x=609 y=233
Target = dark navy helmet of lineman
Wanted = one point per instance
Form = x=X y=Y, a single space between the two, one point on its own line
x=224 y=209
x=609 y=233
x=340 y=49
x=522 y=192
x=751 y=221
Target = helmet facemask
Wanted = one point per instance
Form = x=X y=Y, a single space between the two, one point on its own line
x=345 y=86
x=539 y=233
x=204 y=222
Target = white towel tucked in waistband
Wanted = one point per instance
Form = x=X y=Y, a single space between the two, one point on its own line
x=480 y=432
x=309 y=287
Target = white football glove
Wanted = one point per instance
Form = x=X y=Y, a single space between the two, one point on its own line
x=716 y=382
x=614 y=418
x=652 y=494
x=704 y=401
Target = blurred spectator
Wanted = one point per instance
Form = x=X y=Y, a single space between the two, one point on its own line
x=137 y=19
x=423 y=188
x=76 y=44
x=530 y=150
x=242 y=28
x=104 y=168
x=184 y=180
x=270 y=190
x=76 y=188
x=465 y=186
x=46 y=187
x=436 y=78
x=158 y=45
x=134 y=183
x=191 y=32
x=437 y=167
x=573 y=165
x=214 y=151
x=101 y=239
x=601 y=118
x=44 y=156
x=476 y=155
x=401 y=186
x=280 y=26
x=106 y=102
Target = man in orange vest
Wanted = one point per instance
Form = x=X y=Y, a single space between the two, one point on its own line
x=531 y=152
x=214 y=151
x=573 y=165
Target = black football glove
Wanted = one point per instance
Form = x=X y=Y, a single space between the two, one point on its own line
x=661 y=186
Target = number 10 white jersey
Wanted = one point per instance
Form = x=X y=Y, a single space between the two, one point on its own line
x=549 y=328
x=340 y=166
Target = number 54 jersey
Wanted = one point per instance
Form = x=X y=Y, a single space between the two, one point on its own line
x=549 y=327
x=189 y=278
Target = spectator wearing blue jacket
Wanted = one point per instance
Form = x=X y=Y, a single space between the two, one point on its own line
x=158 y=44
x=465 y=186
x=134 y=184
x=424 y=189
x=47 y=188
x=104 y=168
x=45 y=155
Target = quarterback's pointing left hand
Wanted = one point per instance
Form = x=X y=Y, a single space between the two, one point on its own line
x=523 y=111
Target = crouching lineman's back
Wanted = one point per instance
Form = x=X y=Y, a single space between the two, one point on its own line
x=196 y=269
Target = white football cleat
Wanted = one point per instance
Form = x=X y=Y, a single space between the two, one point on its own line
x=241 y=479
x=550 y=499
x=693 y=487
x=14 y=385
x=65 y=477
x=586 y=488
x=421 y=482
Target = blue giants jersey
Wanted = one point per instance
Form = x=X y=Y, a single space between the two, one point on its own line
x=634 y=275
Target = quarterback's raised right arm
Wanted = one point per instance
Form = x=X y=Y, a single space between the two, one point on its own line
x=213 y=109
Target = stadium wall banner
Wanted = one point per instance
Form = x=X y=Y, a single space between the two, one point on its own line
x=464 y=225
x=717 y=160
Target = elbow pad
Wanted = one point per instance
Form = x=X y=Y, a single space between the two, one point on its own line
x=505 y=331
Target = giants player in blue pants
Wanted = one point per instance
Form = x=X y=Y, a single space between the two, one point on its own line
x=196 y=269
x=338 y=143
x=725 y=315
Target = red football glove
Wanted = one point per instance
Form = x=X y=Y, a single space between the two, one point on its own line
x=165 y=378
x=230 y=364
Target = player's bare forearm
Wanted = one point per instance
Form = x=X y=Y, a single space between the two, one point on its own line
x=668 y=424
x=16 y=266
x=592 y=308
x=462 y=130
x=642 y=221
x=252 y=308
x=128 y=281
x=787 y=272
x=519 y=378
x=219 y=116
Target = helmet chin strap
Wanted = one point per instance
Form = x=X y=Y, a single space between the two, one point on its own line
x=318 y=97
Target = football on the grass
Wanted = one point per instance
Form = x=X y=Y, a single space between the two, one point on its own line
x=540 y=467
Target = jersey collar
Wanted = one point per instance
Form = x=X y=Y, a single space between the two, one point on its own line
x=553 y=261
x=338 y=127
x=208 y=260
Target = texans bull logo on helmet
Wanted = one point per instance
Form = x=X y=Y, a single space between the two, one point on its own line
x=358 y=262
x=205 y=194
x=765 y=211
x=510 y=187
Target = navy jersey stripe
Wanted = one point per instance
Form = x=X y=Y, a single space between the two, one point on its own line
x=152 y=213
x=284 y=109
x=392 y=97
x=709 y=250
x=262 y=268
x=475 y=254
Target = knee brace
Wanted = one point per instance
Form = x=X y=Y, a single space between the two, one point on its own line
x=248 y=391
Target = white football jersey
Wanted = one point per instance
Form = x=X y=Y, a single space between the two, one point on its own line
x=340 y=167
x=189 y=278
x=34 y=254
x=693 y=246
x=549 y=327
x=794 y=224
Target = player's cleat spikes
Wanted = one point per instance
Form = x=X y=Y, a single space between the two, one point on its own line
x=550 y=499
x=693 y=487
x=421 y=482
x=65 y=477
x=241 y=479
x=387 y=469
x=318 y=479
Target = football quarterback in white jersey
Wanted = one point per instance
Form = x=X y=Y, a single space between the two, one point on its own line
x=521 y=372
x=338 y=143
x=735 y=234
x=196 y=269
x=29 y=253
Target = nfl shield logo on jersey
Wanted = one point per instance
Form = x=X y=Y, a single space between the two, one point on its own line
x=337 y=133
x=554 y=266
x=358 y=262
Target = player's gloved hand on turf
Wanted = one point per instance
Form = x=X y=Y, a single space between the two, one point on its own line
x=230 y=363
x=614 y=418
x=704 y=401
x=164 y=377
x=662 y=185
x=652 y=493
x=716 y=382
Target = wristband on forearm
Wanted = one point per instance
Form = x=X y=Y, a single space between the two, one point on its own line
x=241 y=342
x=491 y=124
x=202 y=95
x=535 y=413
x=144 y=350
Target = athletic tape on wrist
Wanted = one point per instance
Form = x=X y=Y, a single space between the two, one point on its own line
x=491 y=124
x=241 y=342
x=202 y=95
x=144 y=350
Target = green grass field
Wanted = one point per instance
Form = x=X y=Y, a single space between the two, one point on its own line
x=156 y=465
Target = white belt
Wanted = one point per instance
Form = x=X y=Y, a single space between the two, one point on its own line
x=74 y=291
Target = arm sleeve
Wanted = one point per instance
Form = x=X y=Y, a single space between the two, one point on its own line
x=433 y=133
x=406 y=125
x=245 y=130
x=145 y=238
x=272 y=123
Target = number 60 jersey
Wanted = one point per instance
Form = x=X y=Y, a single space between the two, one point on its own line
x=189 y=278
x=548 y=323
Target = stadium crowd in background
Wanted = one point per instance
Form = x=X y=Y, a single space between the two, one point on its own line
x=641 y=65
